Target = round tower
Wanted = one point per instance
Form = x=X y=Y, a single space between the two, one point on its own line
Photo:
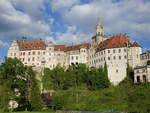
x=99 y=33
x=99 y=29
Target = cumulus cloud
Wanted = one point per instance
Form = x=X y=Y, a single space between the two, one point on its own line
x=61 y=5
x=31 y=7
x=15 y=23
x=125 y=16
x=72 y=36
x=25 y=18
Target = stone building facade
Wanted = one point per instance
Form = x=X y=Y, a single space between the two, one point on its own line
x=116 y=51
x=142 y=71
x=142 y=74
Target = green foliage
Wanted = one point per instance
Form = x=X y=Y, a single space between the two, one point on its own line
x=9 y=70
x=130 y=72
x=14 y=75
x=132 y=98
x=148 y=62
x=35 y=100
x=75 y=76
x=129 y=80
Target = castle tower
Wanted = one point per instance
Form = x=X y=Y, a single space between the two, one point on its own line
x=99 y=33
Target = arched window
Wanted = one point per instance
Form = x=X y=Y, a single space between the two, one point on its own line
x=138 y=78
x=144 y=78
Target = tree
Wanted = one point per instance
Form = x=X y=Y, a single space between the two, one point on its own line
x=105 y=83
x=18 y=83
x=10 y=70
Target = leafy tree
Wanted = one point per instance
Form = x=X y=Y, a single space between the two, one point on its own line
x=14 y=75
x=10 y=70
x=47 y=79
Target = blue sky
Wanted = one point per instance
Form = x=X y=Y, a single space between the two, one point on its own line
x=72 y=21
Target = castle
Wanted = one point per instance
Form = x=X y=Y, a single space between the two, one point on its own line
x=116 y=51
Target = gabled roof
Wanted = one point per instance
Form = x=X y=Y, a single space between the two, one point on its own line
x=116 y=41
x=35 y=45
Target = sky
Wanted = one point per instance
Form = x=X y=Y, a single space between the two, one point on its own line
x=72 y=21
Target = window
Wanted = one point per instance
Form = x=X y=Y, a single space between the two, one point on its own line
x=33 y=59
x=125 y=50
x=76 y=57
x=108 y=51
x=39 y=53
x=29 y=53
x=29 y=59
x=125 y=57
x=43 y=53
x=33 y=52
x=108 y=58
x=14 y=54
x=138 y=78
x=116 y=70
x=114 y=51
x=119 y=57
x=119 y=50
x=144 y=78
x=23 y=53
x=23 y=59
x=72 y=57
x=114 y=57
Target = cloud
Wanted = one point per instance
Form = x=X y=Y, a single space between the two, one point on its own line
x=61 y=5
x=72 y=36
x=27 y=18
x=3 y=44
x=31 y=7
x=125 y=16
x=15 y=23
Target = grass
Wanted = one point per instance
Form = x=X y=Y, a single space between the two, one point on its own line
x=125 y=98
x=32 y=112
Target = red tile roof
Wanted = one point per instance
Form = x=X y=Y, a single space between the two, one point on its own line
x=116 y=42
x=35 y=45
x=60 y=47
x=40 y=45
x=77 y=47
